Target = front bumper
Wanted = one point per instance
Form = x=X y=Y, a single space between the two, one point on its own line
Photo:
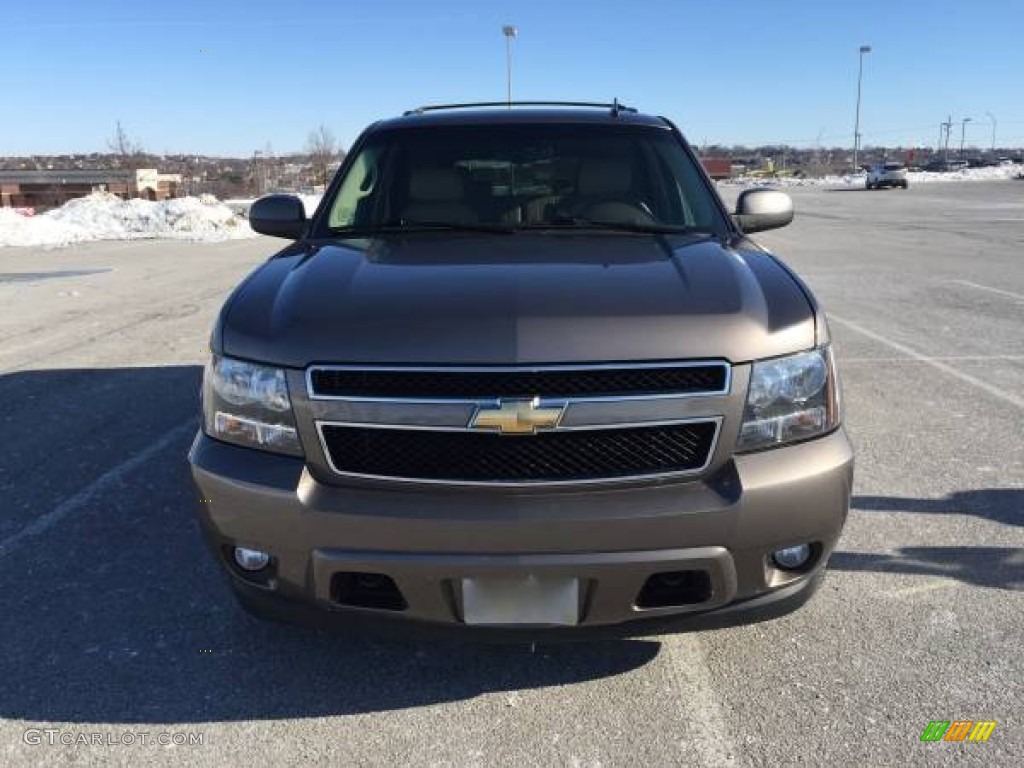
x=427 y=540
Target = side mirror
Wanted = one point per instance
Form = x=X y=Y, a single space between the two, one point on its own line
x=761 y=209
x=278 y=216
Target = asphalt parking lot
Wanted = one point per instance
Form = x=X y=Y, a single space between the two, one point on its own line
x=115 y=620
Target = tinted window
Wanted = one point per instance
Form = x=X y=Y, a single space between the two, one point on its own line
x=523 y=175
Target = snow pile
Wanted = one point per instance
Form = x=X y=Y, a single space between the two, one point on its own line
x=241 y=205
x=103 y=216
x=857 y=179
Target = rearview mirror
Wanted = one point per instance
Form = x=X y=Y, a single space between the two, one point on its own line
x=761 y=209
x=278 y=216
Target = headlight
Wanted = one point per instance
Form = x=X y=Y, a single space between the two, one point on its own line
x=248 y=404
x=790 y=398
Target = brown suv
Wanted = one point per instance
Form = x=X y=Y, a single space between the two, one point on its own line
x=522 y=371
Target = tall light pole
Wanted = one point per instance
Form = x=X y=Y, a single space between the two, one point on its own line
x=856 y=121
x=992 y=117
x=509 y=32
x=949 y=130
x=963 y=132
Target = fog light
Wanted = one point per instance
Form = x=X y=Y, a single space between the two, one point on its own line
x=792 y=558
x=251 y=559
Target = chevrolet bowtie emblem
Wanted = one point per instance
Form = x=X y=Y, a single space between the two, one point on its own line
x=516 y=417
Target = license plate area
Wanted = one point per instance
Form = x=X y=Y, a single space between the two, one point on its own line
x=522 y=600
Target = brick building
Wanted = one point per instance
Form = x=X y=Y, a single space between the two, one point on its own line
x=50 y=188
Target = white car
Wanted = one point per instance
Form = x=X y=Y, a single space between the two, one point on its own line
x=886 y=175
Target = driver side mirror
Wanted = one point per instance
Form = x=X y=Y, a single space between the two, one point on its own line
x=278 y=216
x=761 y=209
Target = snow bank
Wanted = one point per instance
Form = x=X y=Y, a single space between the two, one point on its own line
x=857 y=179
x=103 y=216
x=241 y=205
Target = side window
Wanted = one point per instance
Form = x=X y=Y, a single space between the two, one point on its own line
x=359 y=184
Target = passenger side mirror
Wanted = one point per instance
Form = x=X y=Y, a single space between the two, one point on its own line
x=278 y=216
x=761 y=209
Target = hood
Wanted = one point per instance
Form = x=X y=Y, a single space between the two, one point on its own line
x=517 y=299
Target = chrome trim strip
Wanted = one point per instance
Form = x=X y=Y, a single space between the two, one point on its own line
x=525 y=483
x=577 y=428
x=725 y=390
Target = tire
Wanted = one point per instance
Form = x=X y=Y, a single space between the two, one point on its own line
x=868 y=185
x=905 y=185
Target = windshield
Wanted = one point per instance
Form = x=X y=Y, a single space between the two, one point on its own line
x=524 y=176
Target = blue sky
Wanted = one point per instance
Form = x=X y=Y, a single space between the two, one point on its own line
x=229 y=76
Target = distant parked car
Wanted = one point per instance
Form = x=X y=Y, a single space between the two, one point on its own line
x=886 y=175
x=945 y=166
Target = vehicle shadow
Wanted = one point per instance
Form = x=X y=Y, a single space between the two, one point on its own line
x=114 y=611
x=1002 y=505
x=1000 y=567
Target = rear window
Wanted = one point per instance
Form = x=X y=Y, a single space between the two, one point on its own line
x=894 y=166
x=523 y=174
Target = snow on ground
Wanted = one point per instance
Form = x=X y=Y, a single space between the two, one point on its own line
x=857 y=179
x=103 y=216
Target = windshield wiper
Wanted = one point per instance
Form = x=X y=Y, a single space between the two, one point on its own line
x=398 y=227
x=576 y=222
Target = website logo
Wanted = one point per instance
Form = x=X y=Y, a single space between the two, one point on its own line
x=958 y=730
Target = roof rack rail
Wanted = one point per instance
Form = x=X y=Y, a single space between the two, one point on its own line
x=615 y=107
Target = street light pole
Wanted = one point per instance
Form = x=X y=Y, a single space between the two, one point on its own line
x=509 y=31
x=856 y=120
x=963 y=132
x=948 y=125
x=992 y=117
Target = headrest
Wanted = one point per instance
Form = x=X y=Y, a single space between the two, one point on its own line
x=435 y=184
x=604 y=176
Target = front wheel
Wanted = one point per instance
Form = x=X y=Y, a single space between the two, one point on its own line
x=868 y=185
x=905 y=185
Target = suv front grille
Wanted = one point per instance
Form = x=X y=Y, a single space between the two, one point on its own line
x=462 y=383
x=557 y=456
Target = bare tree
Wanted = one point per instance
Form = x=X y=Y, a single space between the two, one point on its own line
x=323 y=150
x=129 y=152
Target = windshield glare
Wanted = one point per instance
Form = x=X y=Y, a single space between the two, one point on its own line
x=543 y=176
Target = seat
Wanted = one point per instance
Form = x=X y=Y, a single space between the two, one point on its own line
x=437 y=195
x=604 y=192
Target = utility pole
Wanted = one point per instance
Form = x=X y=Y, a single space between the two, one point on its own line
x=509 y=31
x=856 y=120
x=963 y=132
x=992 y=117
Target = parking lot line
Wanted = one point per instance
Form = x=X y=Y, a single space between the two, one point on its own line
x=943 y=358
x=936 y=363
x=701 y=707
x=102 y=483
x=990 y=289
x=929 y=586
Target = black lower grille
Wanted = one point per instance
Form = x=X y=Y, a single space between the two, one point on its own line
x=675 y=588
x=702 y=378
x=556 y=456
